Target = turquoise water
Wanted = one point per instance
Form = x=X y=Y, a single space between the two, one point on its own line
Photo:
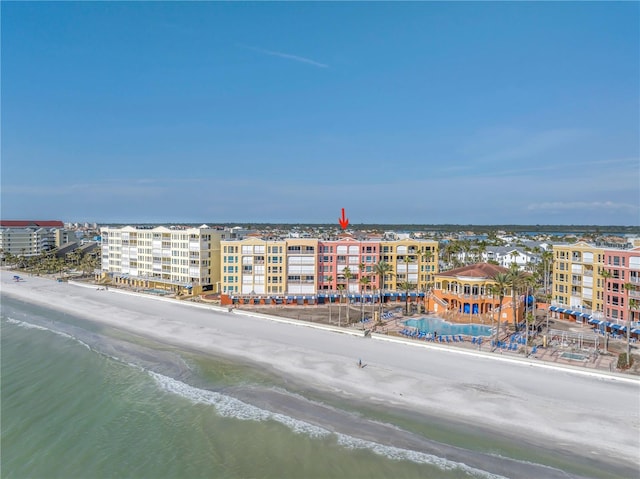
x=83 y=401
x=574 y=356
x=432 y=325
x=160 y=292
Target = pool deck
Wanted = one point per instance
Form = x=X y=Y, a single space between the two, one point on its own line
x=551 y=354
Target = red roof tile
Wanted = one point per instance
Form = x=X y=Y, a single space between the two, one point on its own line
x=478 y=270
x=27 y=223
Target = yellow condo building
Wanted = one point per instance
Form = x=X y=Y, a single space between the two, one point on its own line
x=578 y=284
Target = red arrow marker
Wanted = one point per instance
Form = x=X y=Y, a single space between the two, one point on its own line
x=344 y=222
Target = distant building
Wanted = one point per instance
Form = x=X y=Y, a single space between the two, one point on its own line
x=31 y=238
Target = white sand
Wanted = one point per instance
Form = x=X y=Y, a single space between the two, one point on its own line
x=583 y=411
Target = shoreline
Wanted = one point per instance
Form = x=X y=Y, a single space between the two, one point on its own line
x=400 y=377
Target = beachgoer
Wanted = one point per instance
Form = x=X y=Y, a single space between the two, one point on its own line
x=359 y=363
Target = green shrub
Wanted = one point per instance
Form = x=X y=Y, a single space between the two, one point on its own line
x=622 y=361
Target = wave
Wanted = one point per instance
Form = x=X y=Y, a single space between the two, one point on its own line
x=227 y=406
x=401 y=454
x=27 y=325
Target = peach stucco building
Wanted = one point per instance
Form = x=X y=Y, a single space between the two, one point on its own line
x=468 y=291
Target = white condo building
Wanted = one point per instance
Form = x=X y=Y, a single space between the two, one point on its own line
x=174 y=258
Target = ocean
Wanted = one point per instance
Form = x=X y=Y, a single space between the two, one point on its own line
x=80 y=400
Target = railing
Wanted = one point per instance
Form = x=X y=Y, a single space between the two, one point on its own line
x=472 y=296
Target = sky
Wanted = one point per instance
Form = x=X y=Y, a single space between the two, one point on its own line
x=400 y=112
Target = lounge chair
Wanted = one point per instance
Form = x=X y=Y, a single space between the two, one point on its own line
x=460 y=338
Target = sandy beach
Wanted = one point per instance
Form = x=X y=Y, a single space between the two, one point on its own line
x=587 y=413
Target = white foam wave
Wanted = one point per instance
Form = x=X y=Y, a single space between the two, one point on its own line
x=231 y=407
x=522 y=461
x=26 y=325
x=400 y=454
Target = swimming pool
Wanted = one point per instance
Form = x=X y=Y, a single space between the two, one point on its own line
x=158 y=292
x=432 y=325
x=574 y=356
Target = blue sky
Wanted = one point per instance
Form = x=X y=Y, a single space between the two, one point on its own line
x=417 y=112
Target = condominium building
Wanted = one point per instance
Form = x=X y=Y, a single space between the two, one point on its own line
x=412 y=261
x=596 y=282
x=255 y=266
x=578 y=287
x=348 y=264
x=307 y=266
x=622 y=285
x=31 y=238
x=181 y=259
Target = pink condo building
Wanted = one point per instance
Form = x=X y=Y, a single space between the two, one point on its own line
x=622 y=285
x=335 y=258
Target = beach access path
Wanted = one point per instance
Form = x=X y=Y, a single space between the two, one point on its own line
x=584 y=412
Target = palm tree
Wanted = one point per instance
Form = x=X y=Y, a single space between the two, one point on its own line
x=88 y=263
x=340 y=290
x=516 y=280
x=382 y=269
x=427 y=289
x=514 y=257
x=347 y=275
x=329 y=279
x=406 y=286
x=632 y=305
x=606 y=274
x=530 y=282
x=407 y=260
x=364 y=281
x=547 y=260
x=499 y=288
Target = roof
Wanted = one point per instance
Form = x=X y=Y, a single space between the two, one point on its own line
x=478 y=270
x=27 y=223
